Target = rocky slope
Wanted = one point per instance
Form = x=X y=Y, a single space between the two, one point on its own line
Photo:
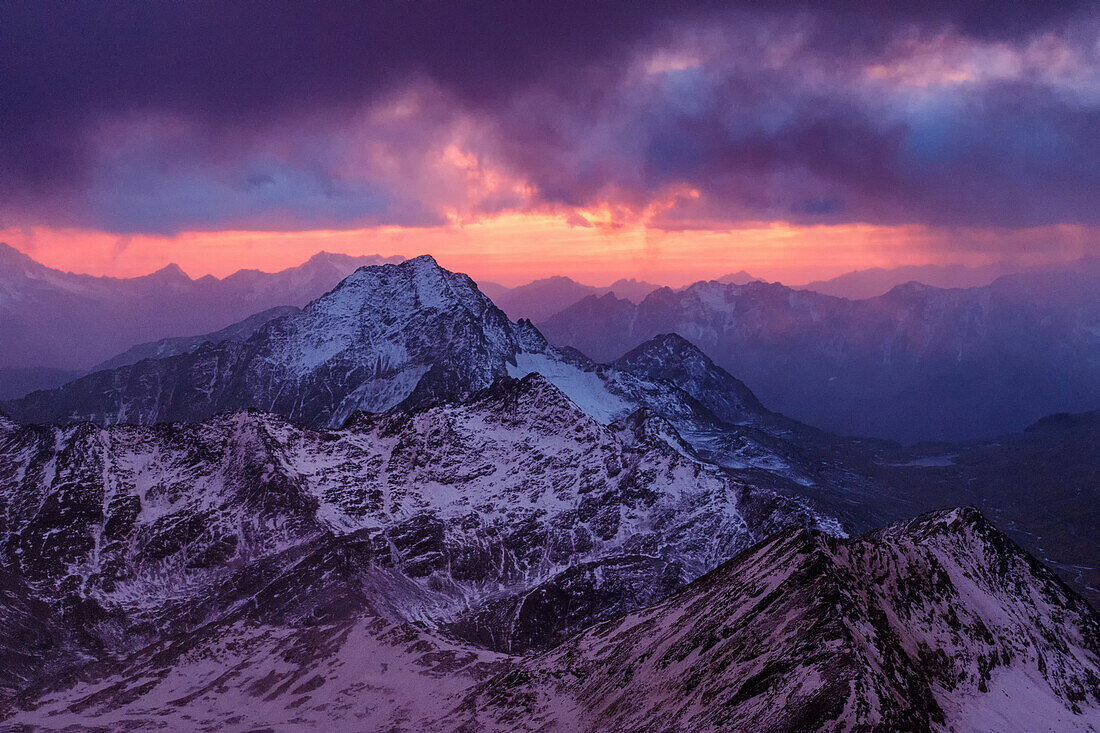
x=351 y=620
x=307 y=638
x=510 y=520
x=918 y=363
x=940 y=623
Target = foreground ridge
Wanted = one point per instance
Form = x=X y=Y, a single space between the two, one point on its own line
x=940 y=623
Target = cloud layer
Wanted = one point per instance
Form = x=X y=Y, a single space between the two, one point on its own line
x=167 y=117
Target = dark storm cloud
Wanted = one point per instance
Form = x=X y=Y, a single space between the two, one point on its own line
x=767 y=148
x=551 y=84
x=65 y=63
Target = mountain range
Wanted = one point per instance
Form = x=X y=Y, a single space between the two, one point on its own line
x=541 y=299
x=875 y=281
x=56 y=325
x=93 y=324
x=413 y=335
x=919 y=363
x=396 y=508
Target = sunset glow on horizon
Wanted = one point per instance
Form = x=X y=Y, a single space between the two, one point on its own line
x=515 y=249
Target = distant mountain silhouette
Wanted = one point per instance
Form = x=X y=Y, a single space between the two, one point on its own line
x=540 y=299
x=877 y=281
x=63 y=321
x=918 y=363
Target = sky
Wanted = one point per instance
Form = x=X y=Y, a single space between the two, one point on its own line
x=513 y=140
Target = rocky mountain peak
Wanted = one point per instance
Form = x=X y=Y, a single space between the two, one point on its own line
x=910 y=290
x=673 y=359
x=738 y=278
x=420 y=279
x=958 y=521
x=324 y=257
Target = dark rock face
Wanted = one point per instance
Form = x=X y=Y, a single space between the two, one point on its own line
x=936 y=624
x=35 y=641
x=918 y=363
x=90 y=512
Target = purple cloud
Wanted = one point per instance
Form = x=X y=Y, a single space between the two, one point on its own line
x=160 y=117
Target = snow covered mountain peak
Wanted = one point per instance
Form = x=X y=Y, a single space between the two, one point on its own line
x=400 y=294
x=414 y=284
